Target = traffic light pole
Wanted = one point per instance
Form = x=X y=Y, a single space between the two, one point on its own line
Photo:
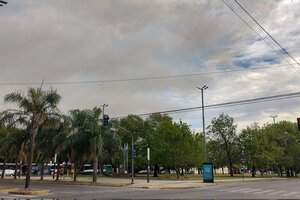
x=132 y=159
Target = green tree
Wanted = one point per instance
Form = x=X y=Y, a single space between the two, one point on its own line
x=223 y=130
x=35 y=108
x=216 y=154
x=173 y=145
x=52 y=140
x=286 y=137
x=259 y=151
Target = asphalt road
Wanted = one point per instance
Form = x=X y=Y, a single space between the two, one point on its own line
x=271 y=189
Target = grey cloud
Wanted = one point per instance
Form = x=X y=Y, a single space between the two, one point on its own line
x=71 y=40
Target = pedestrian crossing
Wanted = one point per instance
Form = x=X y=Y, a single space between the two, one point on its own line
x=257 y=191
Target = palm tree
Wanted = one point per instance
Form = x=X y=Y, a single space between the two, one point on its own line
x=34 y=108
x=78 y=140
x=87 y=139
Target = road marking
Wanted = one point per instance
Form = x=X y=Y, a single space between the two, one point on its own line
x=278 y=192
x=264 y=191
x=240 y=190
x=5 y=197
x=289 y=194
x=226 y=189
x=253 y=190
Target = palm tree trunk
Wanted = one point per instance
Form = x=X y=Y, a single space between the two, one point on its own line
x=3 y=169
x=34 y=131
x=42 y=171
x=20 y=169
x=95 y=168
x=16 y=170
x=75 y=171
x=58 y=169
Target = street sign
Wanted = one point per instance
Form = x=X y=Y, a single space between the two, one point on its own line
x=208 y=173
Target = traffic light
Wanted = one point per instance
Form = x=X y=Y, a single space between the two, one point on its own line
x=298 y=122
x=105 y=120
x=134 y=153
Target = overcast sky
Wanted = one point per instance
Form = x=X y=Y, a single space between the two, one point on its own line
x=115 y=42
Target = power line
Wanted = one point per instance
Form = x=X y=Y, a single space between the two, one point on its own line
x=145 y=78
x=266 y=32
x=290 y=64
x=227 y=104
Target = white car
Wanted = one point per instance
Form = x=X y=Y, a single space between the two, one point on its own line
x=7 y=172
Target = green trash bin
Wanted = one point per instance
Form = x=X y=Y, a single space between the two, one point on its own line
x=107 y=170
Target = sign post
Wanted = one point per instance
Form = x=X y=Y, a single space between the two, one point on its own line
x=148 y=164
x=208 y=173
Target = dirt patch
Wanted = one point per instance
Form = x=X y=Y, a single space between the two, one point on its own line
x=28 y=192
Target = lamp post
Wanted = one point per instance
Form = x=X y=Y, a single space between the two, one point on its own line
x=132 y=151
x=203 y=119
x=274 y=117
x=103 y=106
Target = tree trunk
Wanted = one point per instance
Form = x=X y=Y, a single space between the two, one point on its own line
x=58 y=169
x=253 y=171
x=34 y=131
x=20 y=169
x=177 y=173
x=155 y=170
x=95 y=169
x=280 y=171
x=3 y=169
x=288 y=172
x=42 y=171
x=222 y=170
x=292 y=172
x=75 y=171
x=231 y=168
x=16 y=170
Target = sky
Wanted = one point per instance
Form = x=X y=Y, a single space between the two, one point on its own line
x=142 y=56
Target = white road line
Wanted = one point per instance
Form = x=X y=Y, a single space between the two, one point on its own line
x=4 y=197
x=277 y=192
x=240 y=190
x=289 y=194
x=226 y=189
x=264 y=191
x=254 y=190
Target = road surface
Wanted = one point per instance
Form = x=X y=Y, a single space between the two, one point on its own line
x=271 y=189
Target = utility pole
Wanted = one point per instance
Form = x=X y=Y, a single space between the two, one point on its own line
x=203 y=118
x=274 y=117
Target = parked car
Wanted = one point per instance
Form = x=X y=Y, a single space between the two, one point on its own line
x=7 y=172
x=144 y=171
x=88 y=171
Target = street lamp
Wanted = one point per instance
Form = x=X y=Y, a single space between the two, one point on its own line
x=103 y=106
x=274 y=117
x=132 y=150
x=203 y=119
